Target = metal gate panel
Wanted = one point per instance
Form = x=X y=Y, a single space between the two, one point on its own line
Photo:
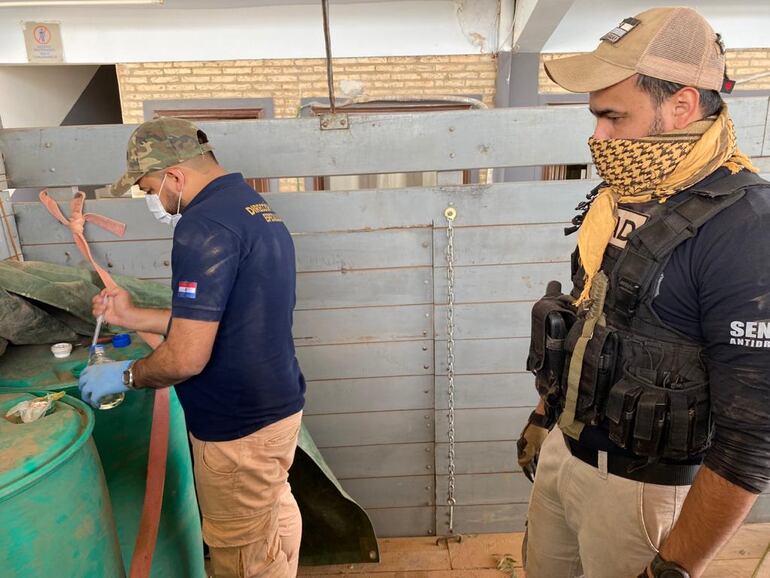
x=371 y=294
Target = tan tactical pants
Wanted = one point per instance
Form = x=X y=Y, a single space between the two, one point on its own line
x=251 y=521
x=585 y=522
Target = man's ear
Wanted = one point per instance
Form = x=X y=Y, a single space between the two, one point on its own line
x=685 y=107
x=175 y=177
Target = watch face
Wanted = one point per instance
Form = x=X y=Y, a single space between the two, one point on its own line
x=671 y=573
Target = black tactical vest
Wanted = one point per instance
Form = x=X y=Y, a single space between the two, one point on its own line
x=642 y=380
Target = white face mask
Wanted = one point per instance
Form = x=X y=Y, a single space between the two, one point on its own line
x=159 y=211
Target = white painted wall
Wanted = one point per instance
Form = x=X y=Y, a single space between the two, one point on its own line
x=359 y=28
x=40 y=95
x=144 y=34
x=742 y=23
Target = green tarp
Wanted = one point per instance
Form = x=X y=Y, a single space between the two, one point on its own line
x=43 y=303
x=59 y=297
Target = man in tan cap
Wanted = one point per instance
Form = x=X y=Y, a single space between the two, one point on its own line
x=229 y=349
x=656 y=368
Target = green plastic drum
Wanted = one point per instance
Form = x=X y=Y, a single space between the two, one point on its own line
x=55 y=515
x=122 y=437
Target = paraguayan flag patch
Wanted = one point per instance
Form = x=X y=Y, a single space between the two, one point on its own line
x=187 y=289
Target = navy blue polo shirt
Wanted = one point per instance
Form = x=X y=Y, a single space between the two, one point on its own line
x=233 y=262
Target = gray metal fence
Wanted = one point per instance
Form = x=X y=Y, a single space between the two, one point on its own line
x=371 y=312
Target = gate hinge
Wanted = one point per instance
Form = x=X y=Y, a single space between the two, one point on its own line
x=337 y=121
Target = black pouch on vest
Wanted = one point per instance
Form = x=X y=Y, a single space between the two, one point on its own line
x=551 y=321
x=621 y=409
x=650 y=423
x=597 y=375
x=690 y=422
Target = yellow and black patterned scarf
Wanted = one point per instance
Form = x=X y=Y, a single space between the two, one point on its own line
x=655 y=167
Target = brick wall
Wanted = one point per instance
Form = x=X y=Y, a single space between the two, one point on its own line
x=287 y=82
x=741 y=64
x=748 y=63
x=546 y=85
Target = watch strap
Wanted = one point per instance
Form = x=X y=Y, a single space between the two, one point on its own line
x=664 y=569
x=128 y=376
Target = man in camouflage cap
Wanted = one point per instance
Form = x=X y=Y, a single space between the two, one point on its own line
x=157 y=145
x=229 y=348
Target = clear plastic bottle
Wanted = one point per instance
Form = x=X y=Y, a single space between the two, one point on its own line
x=97 y=358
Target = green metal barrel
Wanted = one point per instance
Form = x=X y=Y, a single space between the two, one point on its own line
x=122 y=437
x=55 y=515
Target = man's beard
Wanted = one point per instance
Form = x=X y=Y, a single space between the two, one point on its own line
x=656 y=127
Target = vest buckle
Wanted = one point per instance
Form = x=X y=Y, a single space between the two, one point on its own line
x=627 y=296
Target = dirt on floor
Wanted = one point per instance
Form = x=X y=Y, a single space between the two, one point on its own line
x=747 y=555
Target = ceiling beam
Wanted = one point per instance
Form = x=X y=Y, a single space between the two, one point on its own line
x=535 y=21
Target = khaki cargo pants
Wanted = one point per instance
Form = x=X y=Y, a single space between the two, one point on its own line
x=251 y=521
x=586 y=522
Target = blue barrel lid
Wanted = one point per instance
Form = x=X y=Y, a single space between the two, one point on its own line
x=121 y=340
x=31 y=450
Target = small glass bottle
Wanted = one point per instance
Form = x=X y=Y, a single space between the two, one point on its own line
x=97 y=358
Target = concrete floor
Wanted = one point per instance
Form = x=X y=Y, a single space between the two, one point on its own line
x=747 y=555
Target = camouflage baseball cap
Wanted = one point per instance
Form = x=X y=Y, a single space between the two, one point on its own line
x=158 y=144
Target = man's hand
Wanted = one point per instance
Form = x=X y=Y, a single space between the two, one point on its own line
x=119 y=309
x=96 y=381
x=530 y=441
x=116 y=306
x=712 y=512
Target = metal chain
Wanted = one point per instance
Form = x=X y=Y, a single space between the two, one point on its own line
x=450 y=215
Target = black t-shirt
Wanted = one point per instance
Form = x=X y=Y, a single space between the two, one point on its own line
x=716 y=290
x=233 y=262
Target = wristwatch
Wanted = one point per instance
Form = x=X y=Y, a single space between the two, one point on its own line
x=663 y=569
x=128 y=377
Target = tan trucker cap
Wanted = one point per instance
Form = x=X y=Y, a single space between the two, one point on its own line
x=674 y=44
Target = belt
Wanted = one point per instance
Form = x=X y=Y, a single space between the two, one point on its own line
x=637 y=469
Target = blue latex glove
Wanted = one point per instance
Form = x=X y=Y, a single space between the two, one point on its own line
x=96 y=381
